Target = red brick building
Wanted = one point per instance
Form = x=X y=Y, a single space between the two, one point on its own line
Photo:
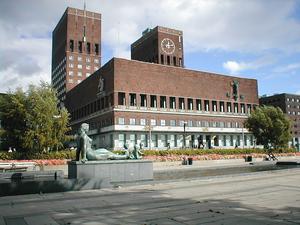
x=150 y=100
x=126 y=99
x=159 y=45
x=76 y=49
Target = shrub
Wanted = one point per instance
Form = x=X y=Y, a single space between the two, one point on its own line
x=65 y=154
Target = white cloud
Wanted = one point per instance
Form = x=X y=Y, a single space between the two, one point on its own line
x=225 y=25
x=288 y=68
x=235 y=67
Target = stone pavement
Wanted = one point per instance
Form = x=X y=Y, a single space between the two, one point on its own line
x=271 y=197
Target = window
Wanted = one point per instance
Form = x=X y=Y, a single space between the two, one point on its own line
x=88 y=59
x=122 y=140
x=222 y=107
x=71 y=44
x=243 y=108
x=162 y=122
x=168 y=60
x=206 y=104
x=172 y=103
x=180 y=61
x=78 y=81
x=121 y=121
x=163 y=102
x=132 y=138
x=97 y=49
x=132 y=121
x=144 y=140
x=79 y=73
x=88 y=67
x=88 y=74
x=153 y=101
x=71 y=73
x=143 y=122
x=174 y=61
x=79 y=66
x=88 y=47
x=162 y=59
x=228 y=106
x=190 y=104
x=198 y=103
x=96 y=60
x=132 y=99
x=172 y=122
x=235 y=107
x=190 y=123
x=231 y=140
x=248 y=108
x=96 y=68
x=153 y=122
x=121 y=98
x=71 y=57
x=155 y=140
x=214 y=106
x=181 y=103
x=80 y=46
x=71 y=65
x=71 y=81
x=224 y=140
x=143 y=100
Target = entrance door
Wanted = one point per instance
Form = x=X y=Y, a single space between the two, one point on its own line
x=208 y=141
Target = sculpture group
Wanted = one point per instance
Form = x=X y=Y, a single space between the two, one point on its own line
x=85 y=152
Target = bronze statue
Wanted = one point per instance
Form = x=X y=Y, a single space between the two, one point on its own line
x=85 y=151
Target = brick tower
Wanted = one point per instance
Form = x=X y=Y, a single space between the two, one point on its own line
x=76 y=49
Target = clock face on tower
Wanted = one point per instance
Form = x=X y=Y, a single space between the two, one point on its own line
x=168 y=46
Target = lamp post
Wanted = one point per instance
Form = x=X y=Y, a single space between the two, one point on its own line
x=184 y=142
x=149 y=128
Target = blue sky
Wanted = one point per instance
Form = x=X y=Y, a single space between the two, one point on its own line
x=255 y=39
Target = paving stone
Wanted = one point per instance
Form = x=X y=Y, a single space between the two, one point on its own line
x=40 y=220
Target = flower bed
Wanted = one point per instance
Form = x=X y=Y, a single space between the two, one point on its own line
x=172 y=158
x=40 y=162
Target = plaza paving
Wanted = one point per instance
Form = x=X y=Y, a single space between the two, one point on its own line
x=258 y=198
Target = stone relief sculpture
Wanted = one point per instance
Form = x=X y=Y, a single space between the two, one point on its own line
x=85 y=151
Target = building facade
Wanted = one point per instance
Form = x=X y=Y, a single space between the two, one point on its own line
x=160 y=106
x=76 y=49
x=159 y=45
x=290 y=105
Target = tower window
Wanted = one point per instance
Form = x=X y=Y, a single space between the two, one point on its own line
x=180 y=61
x=88 y=47
x=168 y=60
x=80 y=46
x=174 y=61
x=121 y=98
x=71 y=45
x=97 y=49
x=162 y=59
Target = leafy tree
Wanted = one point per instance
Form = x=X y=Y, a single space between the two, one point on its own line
x=32 y=121
x=270 y=127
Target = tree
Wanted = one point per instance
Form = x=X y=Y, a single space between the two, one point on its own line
x=32 y=121
x=270 y=127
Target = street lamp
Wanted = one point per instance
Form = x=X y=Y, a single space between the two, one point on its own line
x=184 y=142
x=149 y=128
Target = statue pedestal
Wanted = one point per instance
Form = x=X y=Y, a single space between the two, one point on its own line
x=112 y=170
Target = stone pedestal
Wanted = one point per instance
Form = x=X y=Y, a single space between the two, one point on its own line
x=112 y=170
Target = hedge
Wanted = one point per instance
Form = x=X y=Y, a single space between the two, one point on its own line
x=68 y=154
x=65 y=154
